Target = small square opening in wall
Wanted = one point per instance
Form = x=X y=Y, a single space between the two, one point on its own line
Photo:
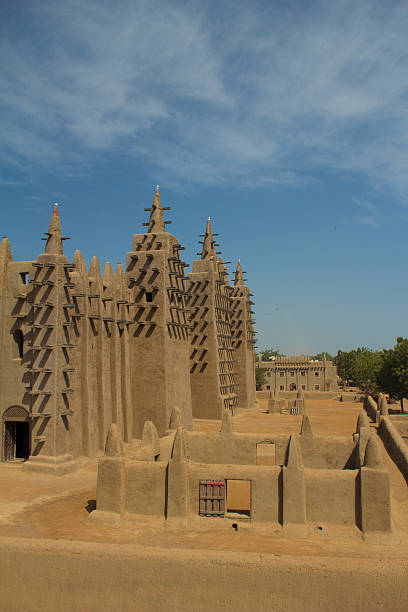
x=149 y=296
x=304 y=387
x=317 y=387
x=238 y=497
x=24 y=277
x=281 y=388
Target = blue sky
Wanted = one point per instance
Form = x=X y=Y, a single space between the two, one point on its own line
x=286 y=122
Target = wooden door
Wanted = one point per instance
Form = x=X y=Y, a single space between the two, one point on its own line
x=212 y=497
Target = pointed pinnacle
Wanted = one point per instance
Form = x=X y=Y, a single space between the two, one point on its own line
x=5 y=250
x=208 y=251
x=150 y=437
x=294 y=456
x=362 y=421
x=114 y=444
x=306 y=429
x=239 y=279
x=180 y=449
x=373 y=457
x=175 y=418
x=156 y=221
x=54 y=240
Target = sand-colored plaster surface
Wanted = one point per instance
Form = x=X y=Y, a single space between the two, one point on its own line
x=328 y=417
x=68 y=564
x=43 y=506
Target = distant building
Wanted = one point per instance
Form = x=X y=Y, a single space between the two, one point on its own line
x=300 y=372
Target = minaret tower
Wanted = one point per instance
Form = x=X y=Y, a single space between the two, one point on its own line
x=243 y=340
x=49 y=368
x=160 y=343
x=213 y=383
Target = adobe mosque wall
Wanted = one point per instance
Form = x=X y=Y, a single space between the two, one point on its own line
x=190 y=478
x=82 y=349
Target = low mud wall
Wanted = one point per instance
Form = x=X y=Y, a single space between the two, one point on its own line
x=65 y=576
x=395 y=444
x=371 y=408
x=310 y=395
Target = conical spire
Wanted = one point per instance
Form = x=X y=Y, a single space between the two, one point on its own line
x=156 y=221
x=239 y=278
x=175 y=418
x=362 y=421
x=54 y=241
x=150 y=437
x=294 y=454
x=373 y=457
x=306 y=429
x=208 y=251
x=114 y=444
x=180 y=447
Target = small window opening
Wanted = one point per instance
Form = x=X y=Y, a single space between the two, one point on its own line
x=303 y=373
x=281 y=388
x=304 y=387
x=317 y=387
x=268 y=386
x=316 y=373
x=149 y=296
x=265 y=453
x=238 y=497
x=19 y=340
x=292 y=373
x=24 y=277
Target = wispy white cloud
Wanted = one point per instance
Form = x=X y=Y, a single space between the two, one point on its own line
x=369 y=214
x=365 y=204
x=261 y=94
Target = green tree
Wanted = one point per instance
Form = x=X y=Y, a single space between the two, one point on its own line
x=267 y=354
x=365 y=365
x=320 y=356
x=343 y=361
x=393 y=374
x=260 y=377
x=359 y=366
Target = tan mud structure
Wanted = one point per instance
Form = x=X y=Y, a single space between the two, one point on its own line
x=299 y=373
x=81 y=350
x=190 y=478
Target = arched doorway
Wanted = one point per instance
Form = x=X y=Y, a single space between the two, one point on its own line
x=16 y=434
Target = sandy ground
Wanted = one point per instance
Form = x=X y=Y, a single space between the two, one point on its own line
x=42 y=506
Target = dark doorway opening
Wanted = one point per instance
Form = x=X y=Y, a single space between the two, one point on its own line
x=19 y=340
x=16 y=440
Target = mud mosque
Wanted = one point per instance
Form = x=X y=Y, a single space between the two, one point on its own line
x=82 y=349
x=141 y=381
